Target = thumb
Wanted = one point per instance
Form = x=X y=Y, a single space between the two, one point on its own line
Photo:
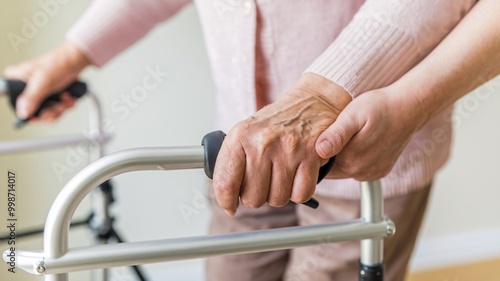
x=37 y=89
x=333 y=139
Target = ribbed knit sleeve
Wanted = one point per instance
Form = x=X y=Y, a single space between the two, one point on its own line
x=109 y=26
x=385 y=39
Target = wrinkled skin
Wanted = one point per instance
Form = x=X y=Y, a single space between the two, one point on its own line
x=271 y=157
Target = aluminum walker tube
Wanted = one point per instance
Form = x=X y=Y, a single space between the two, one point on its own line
x=65 y=204
x=95 y=125
x=57 y=260
x=371 y=263
x=94 y=137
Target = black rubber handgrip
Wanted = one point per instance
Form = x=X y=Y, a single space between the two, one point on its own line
x=212 y=143
x=15 y=87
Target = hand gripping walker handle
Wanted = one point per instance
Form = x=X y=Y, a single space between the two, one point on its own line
x=15 y=87
x=212 y=143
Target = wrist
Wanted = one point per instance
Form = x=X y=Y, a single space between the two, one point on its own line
x=71 y=57
x=333 y=93
x=407 y=101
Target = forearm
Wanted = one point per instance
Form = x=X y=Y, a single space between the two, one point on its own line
x=467 y=58
x=385 y=40
x=110 y=26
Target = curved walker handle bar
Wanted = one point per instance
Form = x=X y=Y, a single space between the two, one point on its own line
x=56 y=259
x=212 y=143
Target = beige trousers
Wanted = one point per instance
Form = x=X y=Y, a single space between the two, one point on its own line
x=324 y=261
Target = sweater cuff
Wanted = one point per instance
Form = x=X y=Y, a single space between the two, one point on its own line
x=385 y=40
x=367 y=55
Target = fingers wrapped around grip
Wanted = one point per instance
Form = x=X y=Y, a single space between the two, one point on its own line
x=269 y=175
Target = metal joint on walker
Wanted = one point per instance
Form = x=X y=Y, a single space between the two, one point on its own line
x=30 y=261
x=391 y=228
x=40 y=267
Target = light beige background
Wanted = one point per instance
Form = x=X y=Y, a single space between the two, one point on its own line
x=179 y=112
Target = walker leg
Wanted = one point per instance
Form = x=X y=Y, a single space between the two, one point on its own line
x=371 y=263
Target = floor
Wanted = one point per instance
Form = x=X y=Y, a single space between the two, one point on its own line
x=480 y=271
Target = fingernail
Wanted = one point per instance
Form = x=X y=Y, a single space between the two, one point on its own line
x=325 y=147
x=230 y=213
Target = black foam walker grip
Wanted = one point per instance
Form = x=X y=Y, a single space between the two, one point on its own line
x=212 y=143
x=15 y=87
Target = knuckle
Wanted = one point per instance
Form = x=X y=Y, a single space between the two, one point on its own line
x=277 y=202
x=304 y=194
x=238 y=129
x=300 y=198
x=251 y=203
x=222 y=187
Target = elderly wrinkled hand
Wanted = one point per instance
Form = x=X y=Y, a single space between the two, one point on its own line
x=45 y=75
x=271 y=157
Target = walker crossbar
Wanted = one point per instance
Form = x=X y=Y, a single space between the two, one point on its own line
x=57 y=260
x=136 y=253
x=94 y=136
x=11 y=147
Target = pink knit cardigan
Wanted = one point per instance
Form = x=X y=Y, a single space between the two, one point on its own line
x=259 y=48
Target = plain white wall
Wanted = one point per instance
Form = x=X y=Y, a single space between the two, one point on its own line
x=466 y=194
x=179 y=112
x=462 y=223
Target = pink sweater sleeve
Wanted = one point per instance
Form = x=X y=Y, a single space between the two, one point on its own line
x=109 y=26
x=385 y=39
